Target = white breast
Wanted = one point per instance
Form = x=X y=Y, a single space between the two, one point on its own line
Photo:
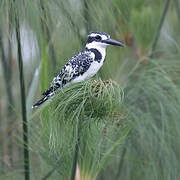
x=95 y=66
x=93 y=69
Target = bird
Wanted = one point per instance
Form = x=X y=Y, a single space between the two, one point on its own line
x=82 y=66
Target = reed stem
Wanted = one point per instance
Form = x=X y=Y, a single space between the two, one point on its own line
x=49 y=174
x=177 y=9
x=23 y=100
x=166 y=6
x=75 y=156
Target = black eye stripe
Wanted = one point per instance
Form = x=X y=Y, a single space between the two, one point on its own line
x=94 y=38
x=98 y=37
x=90 y=39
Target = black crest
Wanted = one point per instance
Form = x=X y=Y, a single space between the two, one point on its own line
x=97 y=32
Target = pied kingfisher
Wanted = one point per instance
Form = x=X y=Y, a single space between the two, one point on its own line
x=82 y=66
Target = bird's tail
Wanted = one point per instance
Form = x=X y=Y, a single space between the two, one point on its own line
x=45 y=98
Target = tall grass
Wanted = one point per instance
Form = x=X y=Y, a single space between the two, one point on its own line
x=151 y=145
x=23 y=100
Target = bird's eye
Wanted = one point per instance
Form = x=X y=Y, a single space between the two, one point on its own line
x=98 y=37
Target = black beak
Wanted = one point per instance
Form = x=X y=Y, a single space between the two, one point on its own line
x=113 y=42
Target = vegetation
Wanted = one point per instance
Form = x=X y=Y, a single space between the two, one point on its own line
x=121 y=124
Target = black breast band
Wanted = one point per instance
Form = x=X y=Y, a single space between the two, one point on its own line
x=98 y=55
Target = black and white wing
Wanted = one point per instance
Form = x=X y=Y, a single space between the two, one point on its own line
x=74 y=68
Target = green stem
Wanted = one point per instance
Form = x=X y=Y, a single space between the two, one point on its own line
x=121 y=164
x=23 y=101
x=86 y=16
x=177 y=9
x=75 y=156
x=107 y=155
x=159 y=28
x=49 y=174
x=46 y=32
x=76 y=148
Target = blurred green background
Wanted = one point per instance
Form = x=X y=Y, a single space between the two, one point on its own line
x=51 y=32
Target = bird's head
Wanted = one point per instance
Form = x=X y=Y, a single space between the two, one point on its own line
x=100 y=40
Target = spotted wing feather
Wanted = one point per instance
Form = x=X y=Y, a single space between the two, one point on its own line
x=75 y=67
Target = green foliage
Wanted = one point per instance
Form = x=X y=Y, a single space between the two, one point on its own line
x=152 y=98
x=141 y=25
x=44 y=71
x=93 y=108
